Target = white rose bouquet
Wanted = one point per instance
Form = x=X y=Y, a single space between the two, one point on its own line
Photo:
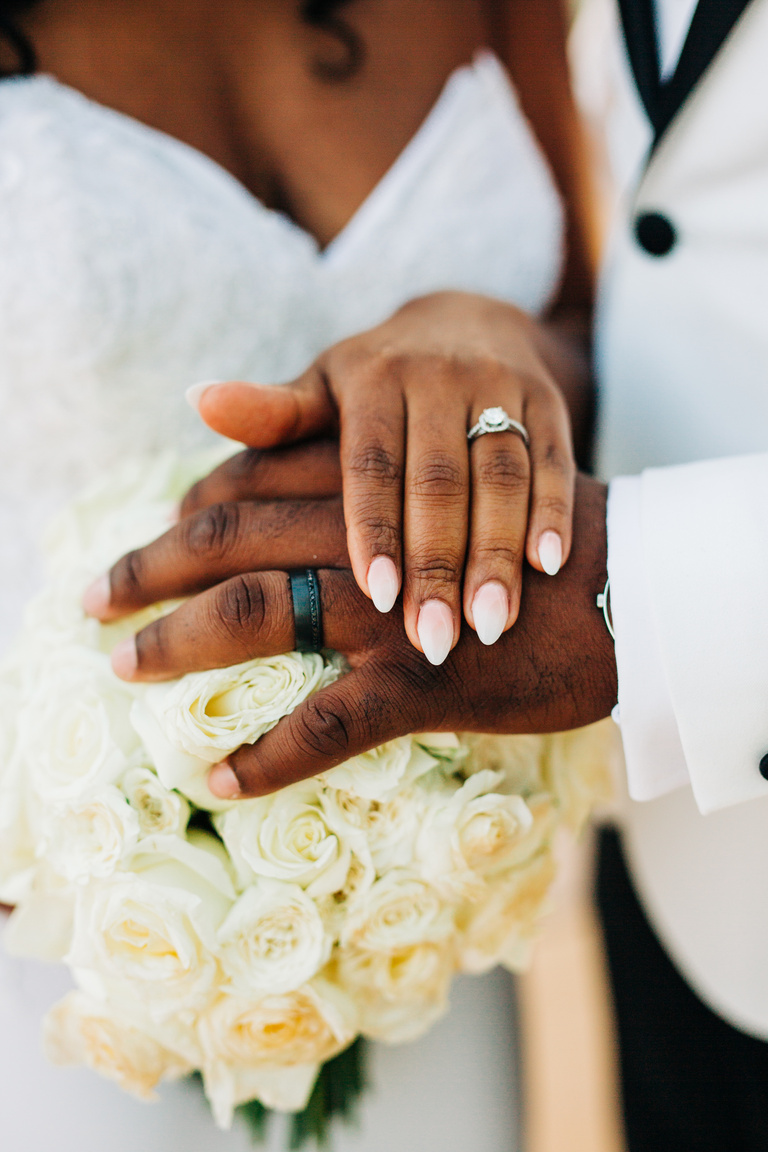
x=253 y=942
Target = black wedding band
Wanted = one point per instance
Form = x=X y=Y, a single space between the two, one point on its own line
x=307 y=614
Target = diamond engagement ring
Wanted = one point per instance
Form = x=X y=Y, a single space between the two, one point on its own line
x=497 y=420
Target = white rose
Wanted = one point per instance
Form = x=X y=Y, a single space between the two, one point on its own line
x=466 y=837
x=152 y=933
x=74 y=727
x=399 y=910
x=159 y=811
x=296 y=1032
x=384 y=830
x=273 y=940
x=18 y=838
x=287 y=836
x=399 y=994
x=176 y=770
x=210 y=714
x=501 y=929
x=376 y=774
x=79 y=1030
x=519 y=758
x=90 y=837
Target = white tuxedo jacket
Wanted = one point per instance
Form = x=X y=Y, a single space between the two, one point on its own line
x=683 y=372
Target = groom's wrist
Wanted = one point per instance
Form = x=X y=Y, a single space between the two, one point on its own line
x=573 y=679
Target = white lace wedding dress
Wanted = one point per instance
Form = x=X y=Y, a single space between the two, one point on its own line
x=131 y=266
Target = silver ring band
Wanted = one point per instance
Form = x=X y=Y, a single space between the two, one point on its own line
x=497 y=420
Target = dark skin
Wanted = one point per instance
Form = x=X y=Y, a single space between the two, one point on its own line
x=555 y=670
x=245 y=82
x=239 y=81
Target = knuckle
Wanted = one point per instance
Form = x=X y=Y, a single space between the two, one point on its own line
x=504 y=470
x=127 y=578
x=240 y=607
x=557 y=461
x=374 y=461
x=214 y=532
x=246 y=466
x=436 y=569
x=381 y=533
x=439 y=477
x=554 y=507
x=498 y=554
x=323 y=729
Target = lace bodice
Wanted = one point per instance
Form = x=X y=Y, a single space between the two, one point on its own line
x=132 y=265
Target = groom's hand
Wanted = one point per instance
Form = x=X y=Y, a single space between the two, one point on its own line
x=555 y=669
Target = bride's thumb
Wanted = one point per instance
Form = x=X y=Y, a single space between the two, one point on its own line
x=267 y=415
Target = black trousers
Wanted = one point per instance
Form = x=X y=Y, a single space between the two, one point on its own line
x=691 y=1082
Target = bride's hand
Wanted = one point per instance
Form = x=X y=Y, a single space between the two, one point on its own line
x=424 y=507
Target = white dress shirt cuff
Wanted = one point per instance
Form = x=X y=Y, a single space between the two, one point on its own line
x=652 y=749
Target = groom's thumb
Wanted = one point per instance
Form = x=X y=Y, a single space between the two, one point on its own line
x=264 y=415
x=360 y=711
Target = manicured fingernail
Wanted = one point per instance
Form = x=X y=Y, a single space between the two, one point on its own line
x=125 y=658
x=490 y=610
x=383 y=584
x=550 y=553
x=97 y=596
x=194 y=393
x=435 y=629
x=223 y=782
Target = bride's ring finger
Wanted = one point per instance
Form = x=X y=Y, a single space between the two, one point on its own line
x=501 y=480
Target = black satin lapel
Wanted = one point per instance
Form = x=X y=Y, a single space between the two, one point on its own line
x=711 y=25
x=712 y=22
x=637 y=18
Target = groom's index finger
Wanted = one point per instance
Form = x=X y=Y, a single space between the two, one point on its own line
x=305 y=471
x=222 y=541
x=250 y=615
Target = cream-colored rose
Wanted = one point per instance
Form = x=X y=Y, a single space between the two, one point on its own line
x=383 y=830
x=400 y=909
x=79 y=1030
x=296 y=1031
x=209 y=714
x=501 y=928
x=465 y=837
x=177 y=770
x=18 y=833
x=399 y=994
x=74 y=727
x=520 y=759
x=89 y=838
x=151 y=932
x=272 y=941
x=376 y=774
x=160 y=812
x=287 y=836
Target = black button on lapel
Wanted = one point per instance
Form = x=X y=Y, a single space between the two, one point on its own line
x=655 y=233
x=764 y=767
